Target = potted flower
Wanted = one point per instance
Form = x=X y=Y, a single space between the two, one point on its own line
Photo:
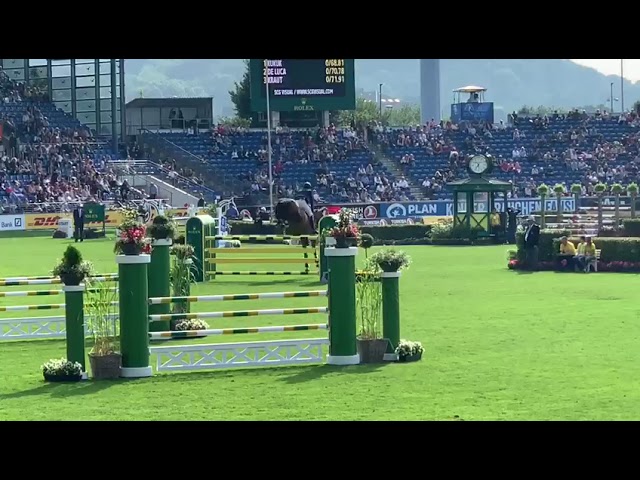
x=72 y=270
x=104 y=356
x=131 y=235
x=345 y=233
x=390 y=260
x=161 y=228
x=371 y=346
x=409 y=351
x=62 y=370
x=191 y=324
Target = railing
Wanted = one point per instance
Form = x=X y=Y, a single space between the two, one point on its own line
x=147 y=168
x=222 y=182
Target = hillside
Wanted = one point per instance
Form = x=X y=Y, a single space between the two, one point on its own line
x=510 y=83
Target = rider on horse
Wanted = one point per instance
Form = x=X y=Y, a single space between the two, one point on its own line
x=306 y=194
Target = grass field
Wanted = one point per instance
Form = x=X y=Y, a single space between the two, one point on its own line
x=499 y=345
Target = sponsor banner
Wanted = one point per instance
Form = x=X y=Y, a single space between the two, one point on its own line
x=49 y=221
x=444 y=208
x=382 y=222
x=11 y=223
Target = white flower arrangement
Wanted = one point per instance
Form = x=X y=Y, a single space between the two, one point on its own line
x=407 y=348
x=520 y=229
x=62 y=367
x=192 y=324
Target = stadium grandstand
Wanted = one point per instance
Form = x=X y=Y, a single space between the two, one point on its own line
x=51 y=156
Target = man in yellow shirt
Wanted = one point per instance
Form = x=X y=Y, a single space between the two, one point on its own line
x=565 y=259
x=589 y=253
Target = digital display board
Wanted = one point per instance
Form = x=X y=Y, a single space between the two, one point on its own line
x=303 y=85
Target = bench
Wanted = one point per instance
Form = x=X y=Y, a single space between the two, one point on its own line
x=594 y=263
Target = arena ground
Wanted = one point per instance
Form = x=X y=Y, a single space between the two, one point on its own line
x=499 y=345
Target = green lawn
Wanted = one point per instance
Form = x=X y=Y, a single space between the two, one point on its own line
x=499 y=345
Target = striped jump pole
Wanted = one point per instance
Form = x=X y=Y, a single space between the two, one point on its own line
x=341 y=264
x=31 y=293
x=234 y=331
x=74 y=324
x=18 y=308
x=242 y=296
x=391 y=313
x=238 y=313
x=263 y=272
x=50 y=277
x=159 y=285
x=134 y=311
x=258 y=238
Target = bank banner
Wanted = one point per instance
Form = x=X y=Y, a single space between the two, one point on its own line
x=11 y=223
x=444 y=208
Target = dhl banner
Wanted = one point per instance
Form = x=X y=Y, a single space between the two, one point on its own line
x=49 y=221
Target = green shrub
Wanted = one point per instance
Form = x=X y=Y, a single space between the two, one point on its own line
x=546 y=250
x=613 y=249
x=631 y=227
x=397 y=232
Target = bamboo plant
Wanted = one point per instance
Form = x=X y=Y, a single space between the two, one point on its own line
x=632 y=190
x=543 y=191
x=559 y=190
x=100 y=308
x=617 y=190
x=369 y=302
x=576 y=190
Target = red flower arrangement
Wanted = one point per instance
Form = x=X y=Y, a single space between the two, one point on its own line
x=132 y=236
x=344 y=231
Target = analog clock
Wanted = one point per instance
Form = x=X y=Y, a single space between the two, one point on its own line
x=478 y=164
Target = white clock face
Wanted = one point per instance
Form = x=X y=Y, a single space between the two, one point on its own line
x=478 y=164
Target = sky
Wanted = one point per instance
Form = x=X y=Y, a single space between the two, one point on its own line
x=610 y=66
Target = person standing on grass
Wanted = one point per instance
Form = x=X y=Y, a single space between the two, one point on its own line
x=78 y=223
x=531 y=237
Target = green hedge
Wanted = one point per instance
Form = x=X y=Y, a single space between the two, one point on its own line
x=546 y=251
x=412 y=233
x=613 y=249
x=631 y=227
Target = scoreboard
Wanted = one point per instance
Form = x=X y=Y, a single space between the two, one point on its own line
x=303 y=85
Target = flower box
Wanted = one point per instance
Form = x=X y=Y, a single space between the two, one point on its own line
x=410 y=358
x=61 y=378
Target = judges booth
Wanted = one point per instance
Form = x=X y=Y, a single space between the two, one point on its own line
x=469 y=105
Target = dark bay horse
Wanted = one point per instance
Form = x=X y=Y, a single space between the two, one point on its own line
x=292 y=215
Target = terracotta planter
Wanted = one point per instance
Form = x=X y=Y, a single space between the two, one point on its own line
x=372 y=351
x=105 y=366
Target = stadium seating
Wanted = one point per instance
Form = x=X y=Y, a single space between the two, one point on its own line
x=202 y=146
x=502 y=143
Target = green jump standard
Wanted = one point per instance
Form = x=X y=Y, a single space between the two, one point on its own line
x=134 y=315
x=159 y=284
x=391 y=313
x=74 y=324
x=341 y=266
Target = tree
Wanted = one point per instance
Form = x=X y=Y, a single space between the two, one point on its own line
x=365 y=114
x=241 y=95
x=405 y=115
x=368 y=111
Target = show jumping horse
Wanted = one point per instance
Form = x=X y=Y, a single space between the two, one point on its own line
x=292 y=215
